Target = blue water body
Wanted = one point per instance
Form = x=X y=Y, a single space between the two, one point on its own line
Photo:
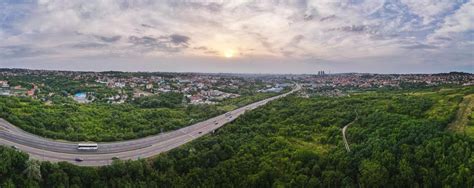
x=80 y=95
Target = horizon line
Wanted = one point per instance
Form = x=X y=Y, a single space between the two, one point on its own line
x=230 y=73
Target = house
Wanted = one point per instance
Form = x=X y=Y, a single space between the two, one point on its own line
x=149 y=86
x=119 y=84
x=196 y=99
x=4 y=83
x=30 y=92
x=273 y=89
x=5 y=92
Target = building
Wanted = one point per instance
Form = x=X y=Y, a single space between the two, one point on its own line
x=5 y=92
x=31 y=92
x=4 y=83
x=149 y=86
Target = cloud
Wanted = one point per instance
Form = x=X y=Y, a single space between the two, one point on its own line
x=212 y=52
x=297 y=39
x=353 y=28
x=109 y=39
x=420 y=46
x=459 y=24
x=144 y=41
x=430 y=10
x=146 y=25
x=13 y=11
x=19 y=52
x=327 y=18
x=171 y=43
x=89 y=45
x=204 y=5
x=179 y=39
x=200 y=48
x=330 y=30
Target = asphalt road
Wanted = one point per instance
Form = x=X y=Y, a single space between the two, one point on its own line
x=53 y=150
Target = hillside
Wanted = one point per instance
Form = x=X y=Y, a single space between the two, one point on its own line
x=399 y=140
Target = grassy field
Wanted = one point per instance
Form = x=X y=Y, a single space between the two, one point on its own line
x=464 y=122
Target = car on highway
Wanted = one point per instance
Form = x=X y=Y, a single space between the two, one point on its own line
x=14 y=147
x=115 y=158
x=99 y=154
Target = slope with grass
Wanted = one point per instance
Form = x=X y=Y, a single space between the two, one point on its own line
x=464 y=122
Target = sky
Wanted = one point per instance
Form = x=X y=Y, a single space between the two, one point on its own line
x=239 y=36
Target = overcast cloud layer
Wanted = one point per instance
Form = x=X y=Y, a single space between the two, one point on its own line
x=275 y=36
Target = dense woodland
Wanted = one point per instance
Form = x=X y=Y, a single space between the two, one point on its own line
x=66 y=119
x=398 y=139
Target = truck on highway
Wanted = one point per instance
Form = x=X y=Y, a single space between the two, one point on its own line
x=87 y=146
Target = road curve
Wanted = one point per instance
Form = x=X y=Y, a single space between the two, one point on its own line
x=346 y=144
x=45 y=149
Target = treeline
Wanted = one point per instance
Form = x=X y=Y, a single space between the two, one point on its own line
x=98 y=122
x=68 y=120
x=294 y=142
x=164 y=100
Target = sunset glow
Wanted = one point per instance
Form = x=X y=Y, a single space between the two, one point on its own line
x=229 y=53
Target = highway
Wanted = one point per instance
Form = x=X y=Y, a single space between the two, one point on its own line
x=45 y=149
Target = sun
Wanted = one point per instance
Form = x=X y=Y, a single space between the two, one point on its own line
x=229 y=53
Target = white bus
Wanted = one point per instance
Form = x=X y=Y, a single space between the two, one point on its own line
x=87 y=146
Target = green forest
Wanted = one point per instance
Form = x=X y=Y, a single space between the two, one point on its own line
x=397 y=139
x=69 y=120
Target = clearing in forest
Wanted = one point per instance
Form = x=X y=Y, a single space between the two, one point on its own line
x=464 y=122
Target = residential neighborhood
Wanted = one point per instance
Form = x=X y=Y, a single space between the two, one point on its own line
x=200 y=88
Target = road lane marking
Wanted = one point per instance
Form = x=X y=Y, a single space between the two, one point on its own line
x=159 y=143
x=187 y=134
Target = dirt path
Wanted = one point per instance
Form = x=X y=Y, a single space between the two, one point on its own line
x=346 y=144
